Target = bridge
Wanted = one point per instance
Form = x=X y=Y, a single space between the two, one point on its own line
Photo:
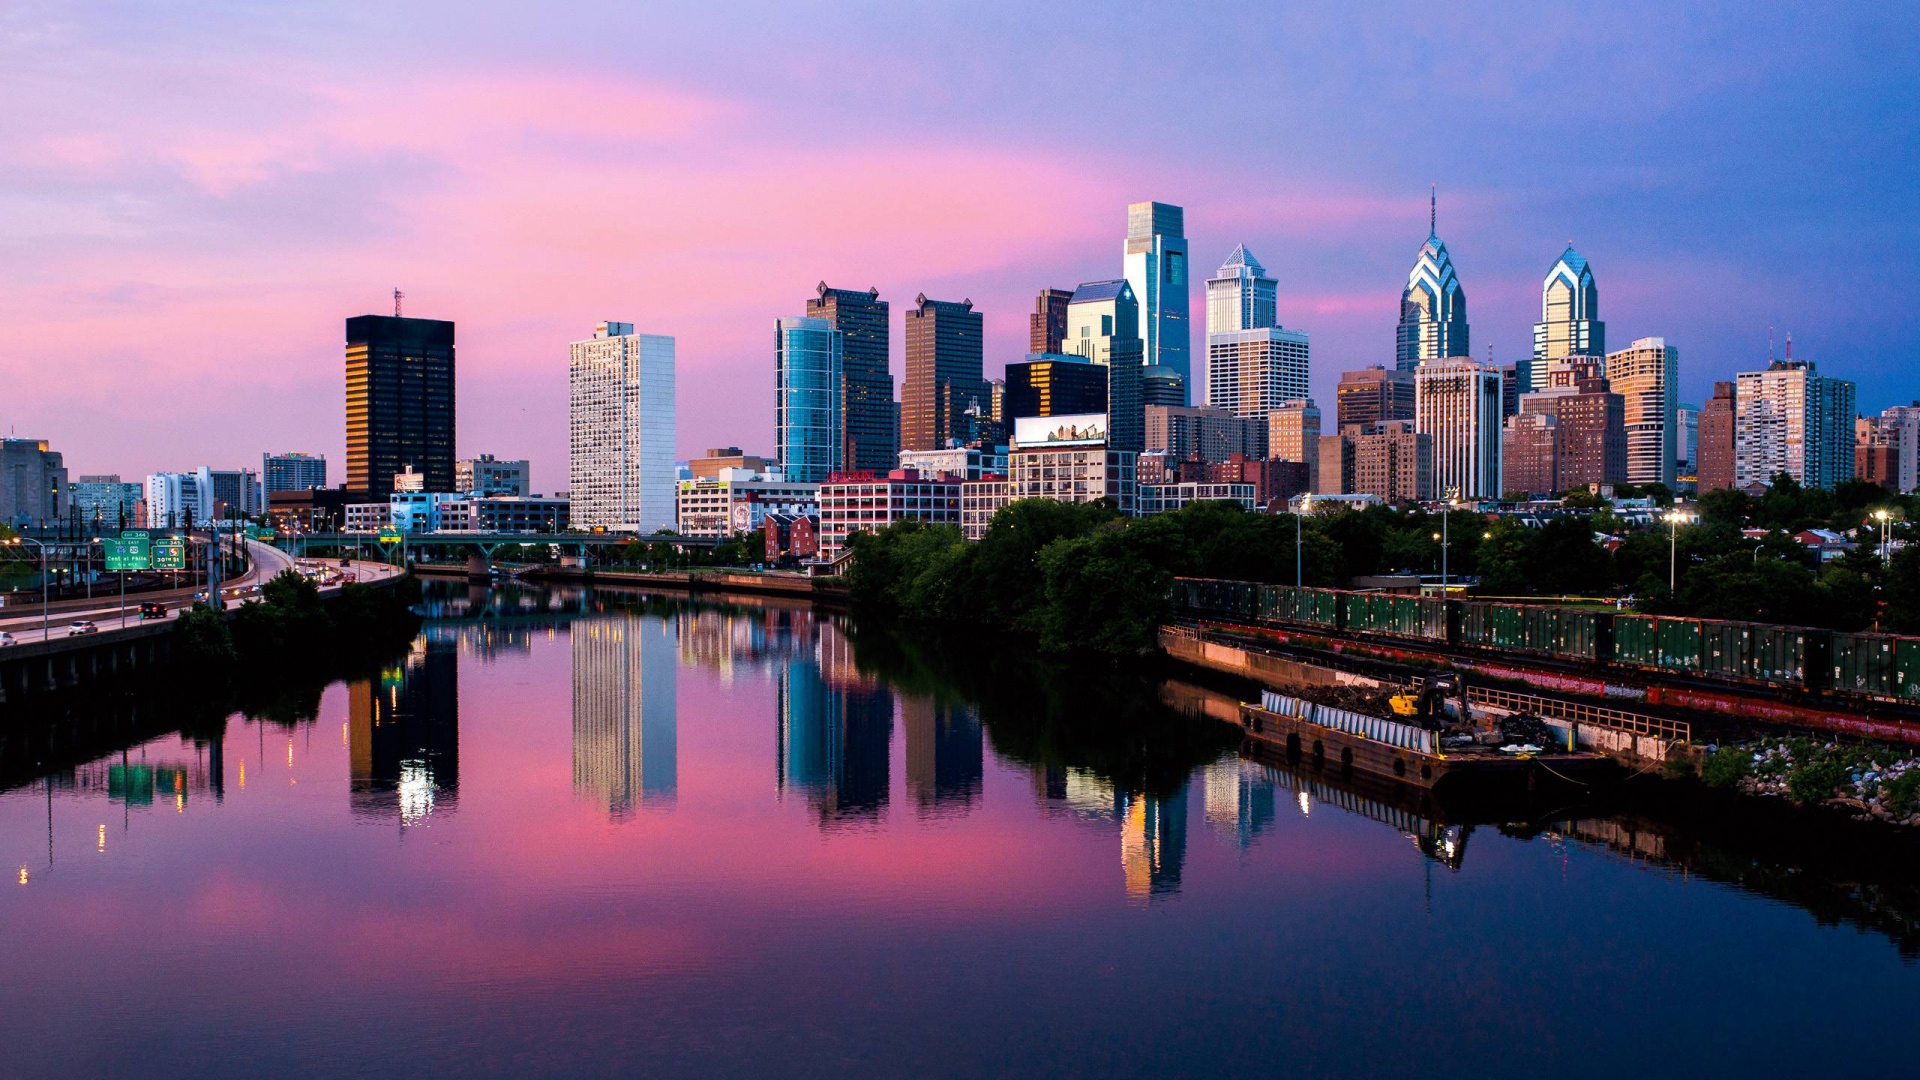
x=486 y=543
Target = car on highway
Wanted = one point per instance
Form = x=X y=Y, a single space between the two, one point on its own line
x=6 y=639
x=82 y=627
x=153 y=610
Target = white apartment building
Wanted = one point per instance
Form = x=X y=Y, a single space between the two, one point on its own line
x=1073 y=474
x=869 y=503
x=1161 y=498
x=1646 y=375
x=1457 y=402
x=621 y=430
x=979 y=501
x=1790 y=419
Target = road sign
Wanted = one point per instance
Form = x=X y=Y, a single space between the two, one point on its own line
x=135 y=534
x=169 y=555
x=260 y=532
x=389 y=536
x=128 y=553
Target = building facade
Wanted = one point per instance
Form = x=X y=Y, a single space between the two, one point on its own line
x=1103 y=326
x=1904 y=422
x=1433 y=307
x=621 y=430
x=1155 y=257
x=1076 y=474
x=33 y=483
x=104 y=502
x=867 y=437
x=1590 y=434
x=1713 y=465
x=738 y=501
x=1646 y=375
x=1241 y=296
x=1569 y=320
x=862 y=502
x=293 y=472
x=966 y=462
x=1790 y=419
x=1293 y=433
x=1877 y=452
x=1527 y=454
x=400 y=401
x=1210 y=434
x=1047 y=326
x=1393 y=461
x=486 y=476
x=944 y=377
x=1457 y=403
x=1055 y=384
x=979 y=501
x=1372 y=395
x=1166 y=498
x=1254 y=365
x=806 y=407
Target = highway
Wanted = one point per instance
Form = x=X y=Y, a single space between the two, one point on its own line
x=267 y=561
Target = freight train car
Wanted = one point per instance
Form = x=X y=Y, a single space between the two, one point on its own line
x=1395 y=615
x=1572 y=633
x=1302 y=607
x=1884 y=666
x=1757 y=653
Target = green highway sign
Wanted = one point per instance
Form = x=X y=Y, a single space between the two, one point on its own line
x=128 y=553
x=260 y=532
x=389 y=536
x=135 y=534
x=169 y=555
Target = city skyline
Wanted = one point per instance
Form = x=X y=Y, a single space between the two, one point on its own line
x=198 y=240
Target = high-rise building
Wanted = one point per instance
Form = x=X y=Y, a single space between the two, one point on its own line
x=1254 y=365
x=174 y=500
x=1569 y=321
x=1790 y=419
x=104 y=502
x=1876 y=452
x=1433 y=309
x=1371 y=395
x=1213 y=435
x=33 y=483
x=1162 y=386
x=621 y=430
x=1904 y=422
x=1054 y=384
x=1590 y=434
x=1646 y=375
x=806 y=407
x=1510 y=390
x=1686 y=443
x=867 y=438
x=1713 y=467
x=1103 y=325
x=1528 y=458
x=1336 y=463
x=1293 y=433
x=1393 y=461
x=231 y=494
x=487 y=476
x=400 y=402
x=293 y=472
x=1047 y=326
x=944 y=374
x=1457 y=402
x=1156 y=267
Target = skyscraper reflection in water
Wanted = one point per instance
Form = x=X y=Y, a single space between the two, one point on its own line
x=835 y=730
x=625 y=722
x=1153 y=829
x=404 y=737
x=1239 y=799
x=944 y=755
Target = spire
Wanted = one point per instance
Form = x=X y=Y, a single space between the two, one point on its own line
x=1433 y=211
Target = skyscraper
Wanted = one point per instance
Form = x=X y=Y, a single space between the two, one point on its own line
x=867 y=438
x=293 y=472
x=1055 y=384
x=806 y=405
x=1433 y=309
x=1156 y=268
x=1254 y=366
x=33 y=483
x=1457 y=402
x=944 y=376
x=400 y=402
x=1646 y=375
x=1569 y=320
x=1789 y=419
x=621 y=430
x=1714 y=465
x=1373 y=394
x=1047 y=326
x=1590 y=431
x=1103 y=325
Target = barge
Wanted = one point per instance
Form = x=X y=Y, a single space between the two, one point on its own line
x=1325 y=737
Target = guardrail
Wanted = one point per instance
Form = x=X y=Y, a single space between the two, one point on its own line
x=1657 y=727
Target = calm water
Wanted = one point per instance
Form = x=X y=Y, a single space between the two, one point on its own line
x=617 y=837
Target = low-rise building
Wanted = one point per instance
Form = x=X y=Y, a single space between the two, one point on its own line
x=862 y=502
x=979 y=501
x=310 y=510
x=791 y=539
x=486 y=476
x=416 y=511
x=368 y=517
x=35 y=487
x=510 y=514
x=966 y=462
x=708 y=465
x=1162 y=498
x=1316 y=503
x=739 y=500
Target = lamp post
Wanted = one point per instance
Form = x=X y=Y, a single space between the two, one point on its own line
x=1881 y=516
x=45 y=627
x=1305 y=505
x=1674 y=518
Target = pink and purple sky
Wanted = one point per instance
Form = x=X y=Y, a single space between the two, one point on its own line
x=194 y=196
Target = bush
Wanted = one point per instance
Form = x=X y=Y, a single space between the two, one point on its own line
x=1816 y=780
x=202 y=638
x=1902 y=793
x=1727 y=766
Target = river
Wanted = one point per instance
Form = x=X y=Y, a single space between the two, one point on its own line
x=612 y=835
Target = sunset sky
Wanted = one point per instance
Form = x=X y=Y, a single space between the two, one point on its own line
x=193 y=196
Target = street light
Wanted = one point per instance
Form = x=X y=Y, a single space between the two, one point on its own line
x=45 y=627
x=1881 y=515
x=1674 y=519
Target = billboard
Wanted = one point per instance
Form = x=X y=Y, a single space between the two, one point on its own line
x=1073 y=429
x=127 y=553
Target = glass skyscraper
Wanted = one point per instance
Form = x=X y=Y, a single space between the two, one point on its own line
x=1156 y=268
x=1433 y=309
x=1103 y=325
x=293 y=472
x=1253 y=365
x=806 y=407
x=400 y=402
x=944 y=375
x=868 y=440
x=621 y=430
x=1569 y=319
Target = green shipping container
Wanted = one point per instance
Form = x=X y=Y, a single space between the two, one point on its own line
x=1680 y=644
x=1636 y=640
x=1782 y=655
x=1579 y=634
x=1724 y=650
x=1318 y=607
x=1906 y=668
x=1476 y=623
x=1864 y=664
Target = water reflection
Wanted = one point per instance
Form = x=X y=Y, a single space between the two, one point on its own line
x=403 y=737
x=625 y=730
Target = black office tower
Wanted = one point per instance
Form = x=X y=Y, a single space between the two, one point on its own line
x=399 y=402
x=868 y=439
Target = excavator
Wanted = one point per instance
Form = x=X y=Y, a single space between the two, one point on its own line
x=1441 y=705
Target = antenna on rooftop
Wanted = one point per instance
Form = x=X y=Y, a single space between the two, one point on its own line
x=397 y=295
x=1769 y=344
x=1789 y=346
x=1433 y=210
